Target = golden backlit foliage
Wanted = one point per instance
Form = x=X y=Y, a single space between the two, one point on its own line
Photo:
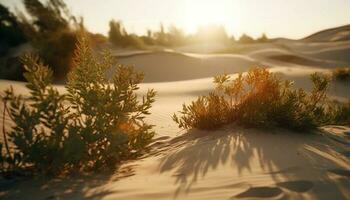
x=261 y=99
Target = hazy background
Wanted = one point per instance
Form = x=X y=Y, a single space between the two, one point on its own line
x=277 y=18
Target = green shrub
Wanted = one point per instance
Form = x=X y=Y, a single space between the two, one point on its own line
x=341 y=74
x=96 y=124
x=204 y=113
x=341 y=114
x=261 y=99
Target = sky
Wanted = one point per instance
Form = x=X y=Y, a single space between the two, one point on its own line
x=277 y=18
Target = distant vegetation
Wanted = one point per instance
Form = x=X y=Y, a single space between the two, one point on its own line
x=261 y=99
x=95 y=125
x=174 y=36
x=341 y=74
x=263 y=38
x=44 y=26
x=49 y=23
x=119 y=37
x=11 y=33
x=246 y=39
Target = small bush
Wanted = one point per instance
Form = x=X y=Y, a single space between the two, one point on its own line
x=205 y=113
x=96 y=124
x=341 y=114
x=261 y=99
x=341 y=74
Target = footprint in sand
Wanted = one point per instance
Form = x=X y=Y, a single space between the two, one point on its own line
x=340 y=172
x=296 y=186
x=260 y=192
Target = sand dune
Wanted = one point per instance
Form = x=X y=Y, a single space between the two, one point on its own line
x=330 y=35
x=230 y=163
x=335 y=53
x=164 y=66
x=174 y=65
x=169 y=66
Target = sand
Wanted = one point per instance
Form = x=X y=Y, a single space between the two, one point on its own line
x=229 y=163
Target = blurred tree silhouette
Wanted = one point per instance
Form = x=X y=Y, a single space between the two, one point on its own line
x=246 y=39
x=160 y=36
x=44 y=26
x=176 y=36
x=54 y=27
x=49 y=18
x=116 y=32
x=119 y=37
x=263 y=38
x=10 y=30
x=11 y=35
x=148 y=39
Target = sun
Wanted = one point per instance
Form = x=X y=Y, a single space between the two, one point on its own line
x=208 y=12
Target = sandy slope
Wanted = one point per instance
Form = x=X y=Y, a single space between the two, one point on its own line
x=230 y=163
x=169 y=66
x=341 y=33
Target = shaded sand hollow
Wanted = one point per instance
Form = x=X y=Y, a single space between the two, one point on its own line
x=230 y=163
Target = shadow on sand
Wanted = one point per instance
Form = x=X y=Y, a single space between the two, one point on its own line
x=295 y=163
x=76 y=186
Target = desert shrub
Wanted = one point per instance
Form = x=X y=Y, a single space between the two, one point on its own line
x=261 y=99
x=96 y=124
x=34 y=144
x=341 y=74
x=341 y=114
x=204 y=113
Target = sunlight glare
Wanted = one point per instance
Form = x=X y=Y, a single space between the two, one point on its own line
x=208 y=12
